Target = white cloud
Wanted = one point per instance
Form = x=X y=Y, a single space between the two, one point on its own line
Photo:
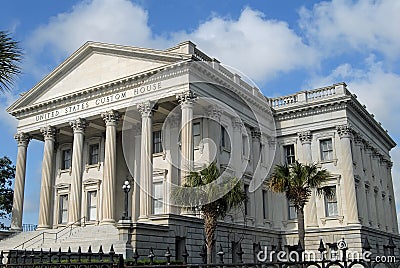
x=113 y=21
x=255 y=45
x=364 y=24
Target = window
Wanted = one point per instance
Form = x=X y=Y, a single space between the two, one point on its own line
x=93 y=154
x=265 y=203
x=326 y=149
x=63 y=208
x=158 y=195
x=225 y=138
x=247 y=201
x=196 y=134
x=292 y=211
x=290 y=157
x=66 y=159
x=91 y=206
x=244 y=141
x=331 y=208
x=157 y=144
x=180 y=243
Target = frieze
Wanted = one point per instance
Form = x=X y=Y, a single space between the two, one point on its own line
x=99 y=101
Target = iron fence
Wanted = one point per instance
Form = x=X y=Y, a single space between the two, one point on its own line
x=293 y=256
x=60 y=259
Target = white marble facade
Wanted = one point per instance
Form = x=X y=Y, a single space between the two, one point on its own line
x=102 y=118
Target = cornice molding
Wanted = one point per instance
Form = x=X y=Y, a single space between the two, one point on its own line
x=97 y=91
x=308 y=110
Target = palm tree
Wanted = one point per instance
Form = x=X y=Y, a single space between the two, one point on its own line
x=10 y=57
x=213 y=195
x=297 y=182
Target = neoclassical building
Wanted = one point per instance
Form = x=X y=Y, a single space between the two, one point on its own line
x=113 y=113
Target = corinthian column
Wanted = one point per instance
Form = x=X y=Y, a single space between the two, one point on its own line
x=146 y=160
x=46 y=186
x=75 y=200
x=109 y=174
x=186 y=100
x=19 y=183
x=346 y=160
x=305 y=138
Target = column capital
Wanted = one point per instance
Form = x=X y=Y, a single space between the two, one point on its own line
x=110 y=117
x=214 y=112
x=358 y=140
x=48 y=132
x=305 y=137
x=22 y=138
x=146 y=108
x=256 y=133
x=186 y=97
x=237 y=124
x=344 y=131
x=78 y=125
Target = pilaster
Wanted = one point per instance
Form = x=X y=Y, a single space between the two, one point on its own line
x=345 y=133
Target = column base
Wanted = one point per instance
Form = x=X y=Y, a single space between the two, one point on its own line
x=43 y=227
x=143 y=219
x=107 y=221
x=15 y=229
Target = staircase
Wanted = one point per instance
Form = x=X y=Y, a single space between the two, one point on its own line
x=83 y=236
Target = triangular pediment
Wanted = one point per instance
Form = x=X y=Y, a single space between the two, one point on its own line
x=95 y=64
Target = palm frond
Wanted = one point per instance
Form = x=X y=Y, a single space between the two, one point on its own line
x=10 y=57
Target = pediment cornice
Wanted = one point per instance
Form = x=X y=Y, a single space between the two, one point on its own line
x=83 y=52
x=98 y=91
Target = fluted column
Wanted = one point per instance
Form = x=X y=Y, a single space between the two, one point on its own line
x=344 y=132
x=305 y=138
x=146 y=160
x=186 y=100
x=109 y=172
x=19 y=182
x=75 y=198
x=46 y=190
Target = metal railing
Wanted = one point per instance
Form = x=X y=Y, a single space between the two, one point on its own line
x=56 y=235
x=24 y=258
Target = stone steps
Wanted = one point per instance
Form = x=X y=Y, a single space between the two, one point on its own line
x=94 y=236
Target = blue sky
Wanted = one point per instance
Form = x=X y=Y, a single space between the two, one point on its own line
x=284 y=46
